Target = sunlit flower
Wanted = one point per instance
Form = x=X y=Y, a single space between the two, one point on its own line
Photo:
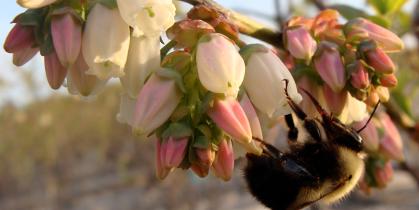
x=147 y=17
x=220 y=67
x=105 y=42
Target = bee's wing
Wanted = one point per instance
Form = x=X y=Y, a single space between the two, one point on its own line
x=297 y=171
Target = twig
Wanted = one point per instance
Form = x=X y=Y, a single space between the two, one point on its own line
x=246 y=25
x=319 y=4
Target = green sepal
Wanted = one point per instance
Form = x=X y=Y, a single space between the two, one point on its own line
x=111 y=4
x=177 y=130
x=248 y=50
x=172 y=74
x=202 y=142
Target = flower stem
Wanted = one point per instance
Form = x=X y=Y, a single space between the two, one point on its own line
x=246 y=25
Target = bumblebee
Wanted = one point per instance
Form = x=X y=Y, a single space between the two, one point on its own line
x=327 y=166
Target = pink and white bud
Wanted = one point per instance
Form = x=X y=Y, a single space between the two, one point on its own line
x=34 y=4
x=383 y=175
x=220 y=67
x=19 y=38
x=359 y=76
x=147 y=17
x=315 y=90
x=335 y=101
x=173 y=151
x=24 y=55
x=143 y=59
x=300 y=43
x=224 y=161
x=328 y=64
x=252 y=116
x=161 y=171
x=156 y=102
x=369 y=134
x=385 y=39
x=80 y=83
x=205 y=156
x=264 y=67
x=229 y=116
x=55 y=72
x=388 y=80
x=380 y=61
x=105 y=42
x=391 y=144
x=66 y=35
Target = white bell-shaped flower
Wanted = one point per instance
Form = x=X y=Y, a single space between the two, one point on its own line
x=265 y=81
x=105 y=42
x=34 y=4
x=147 y=17
x=143 y=59
x=220 y=67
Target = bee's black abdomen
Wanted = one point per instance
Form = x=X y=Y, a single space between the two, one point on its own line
x=269 y=183
x=277 y=182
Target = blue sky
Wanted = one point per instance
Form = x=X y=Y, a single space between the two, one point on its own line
x=14 y=91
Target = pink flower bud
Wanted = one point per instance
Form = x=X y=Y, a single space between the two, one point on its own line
x=24 y=55
x=335 y=101
x=385 y=39
x=380 y=61
x=388 y=80
x=224 y=161
x=315 y=90
x=19 y=38
x=161 y=171
x=156 y=102
x=206 y=156
x=252 y=116
x=229 y=116
x=391 y=144
x=383 y=175
x=56 y=72
x=328 y=64
x=66 y=35
x=300 y=43
x=199 y=170
x=369 y=134
x=81 y=83
x=173 y=152
x=359 y=75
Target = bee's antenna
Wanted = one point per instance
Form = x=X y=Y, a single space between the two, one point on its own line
x=369 y=119
x=315 y=102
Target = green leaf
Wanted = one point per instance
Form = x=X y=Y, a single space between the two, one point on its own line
x=172 y=74
x=111 y=4
x=387 y=6
x=380 y=20
x=349 y=12
x=177 y=130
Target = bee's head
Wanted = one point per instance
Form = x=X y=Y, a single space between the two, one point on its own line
x=342 y=135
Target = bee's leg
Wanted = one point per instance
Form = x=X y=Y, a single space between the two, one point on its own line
x=269 y=148
x=309 y=124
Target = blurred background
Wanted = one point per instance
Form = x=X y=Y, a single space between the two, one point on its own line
x=60 y=152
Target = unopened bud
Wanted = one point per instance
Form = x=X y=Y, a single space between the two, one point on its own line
x=56 y=72
x=224 y=161
x=328 y=64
